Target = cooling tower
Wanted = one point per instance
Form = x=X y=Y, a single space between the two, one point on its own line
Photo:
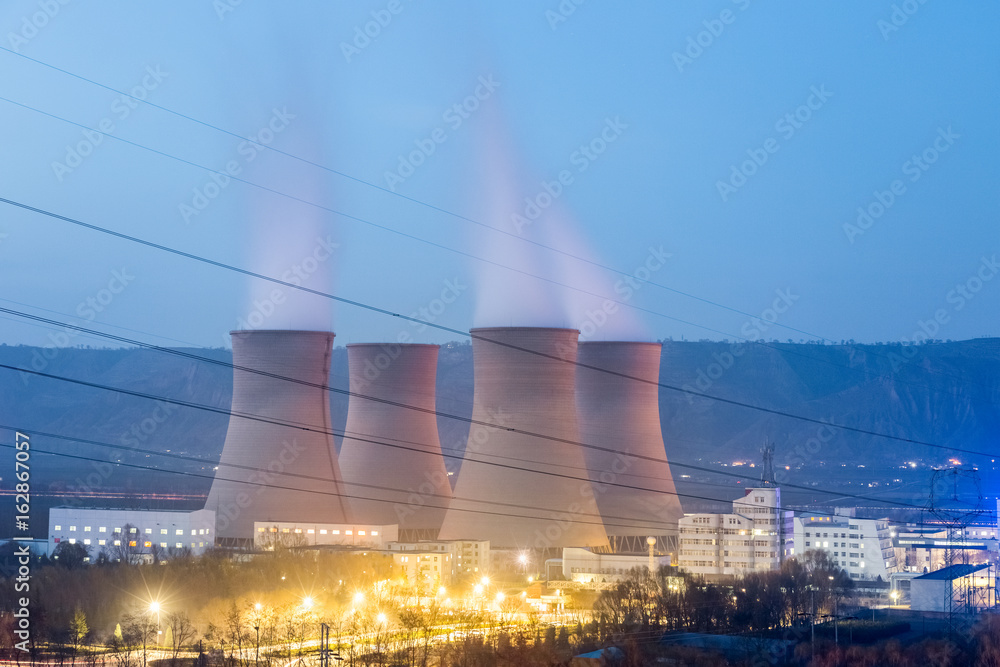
x=525 y=392
x=382 y=435
x=270 y=490
x=623 y=415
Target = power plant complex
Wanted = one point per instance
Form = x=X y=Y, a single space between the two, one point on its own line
x=564 y=446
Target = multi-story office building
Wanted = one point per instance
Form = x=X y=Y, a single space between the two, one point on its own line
x=468 y=558
x=269 y=535
x=863 y=547
x=749 y=539
x=134 y=534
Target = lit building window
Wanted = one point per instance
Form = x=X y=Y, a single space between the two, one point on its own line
x=361 y=532
x=72 y=540
x=336 y=532
x=163 y=545
x=102 y=529
x=118 y=543
x=131 y=543
x=147 y=544
x=87 y=541
x=72 y=529
x=374 y=533
x=311 y=531
x=180 y=531
x=180 y=545
x=348 y=532
x=57 y=527
x=322 y=531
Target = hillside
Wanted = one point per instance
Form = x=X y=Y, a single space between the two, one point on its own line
x=943 y=393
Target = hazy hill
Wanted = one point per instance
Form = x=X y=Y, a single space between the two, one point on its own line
x=945 y=393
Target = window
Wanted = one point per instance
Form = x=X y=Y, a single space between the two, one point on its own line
x=260 y=530
x=311 y=531
x=101 y=543
x=322 y=531
x=131 y=543
x=86 y=529
x=361 y=532
x=132 y=530
x=147 y=544
x=180 y=531
x=86 y=541
x=102 y=529
x=163 y=545
x=335 y=532
x=57 y=527
x=118 y=530
x=348 y=532
x=180 y=545
x=118 y=543
x=149 y=531
x=298 y=531
x=72 y=540
x=194 y=532
x=374 y=533
x=72 y=529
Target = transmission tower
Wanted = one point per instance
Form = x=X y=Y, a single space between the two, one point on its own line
x=767 y=459
x=955 y=501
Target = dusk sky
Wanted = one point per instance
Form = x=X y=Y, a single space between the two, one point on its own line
x=648 y=168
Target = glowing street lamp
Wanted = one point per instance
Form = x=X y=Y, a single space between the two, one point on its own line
x=307 y=602
x=358 y=598
x=381 y=618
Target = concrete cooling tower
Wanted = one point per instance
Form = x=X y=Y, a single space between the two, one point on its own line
x=270 y=490
x=391 y=453
x=623 y=415
x=522 y=384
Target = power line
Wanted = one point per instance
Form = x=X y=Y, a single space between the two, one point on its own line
x=426 y=205
x=458 y=332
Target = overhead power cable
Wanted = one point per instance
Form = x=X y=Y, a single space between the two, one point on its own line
x=428 y=205
x=360 y=304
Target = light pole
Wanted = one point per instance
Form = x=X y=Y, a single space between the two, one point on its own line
x=256 y=626
x=836 y=613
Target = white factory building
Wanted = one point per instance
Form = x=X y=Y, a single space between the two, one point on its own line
x=586 y=567
x=751 y=538
x=271 y=534
x=863 y=547
x=141 y=534
x=467 y=558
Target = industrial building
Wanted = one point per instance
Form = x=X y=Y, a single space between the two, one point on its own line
x=586 y=567
x=620 y=424
x=751 y=538
x=137 y=534
x=390 y=457
x=862 y=547
x=525 y=382
x=468 y=558
x=278 y=461
x=291 y=534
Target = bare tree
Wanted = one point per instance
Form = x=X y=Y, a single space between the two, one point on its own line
x=181 y=632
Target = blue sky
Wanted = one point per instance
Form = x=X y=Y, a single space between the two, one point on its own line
x=719 y=149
